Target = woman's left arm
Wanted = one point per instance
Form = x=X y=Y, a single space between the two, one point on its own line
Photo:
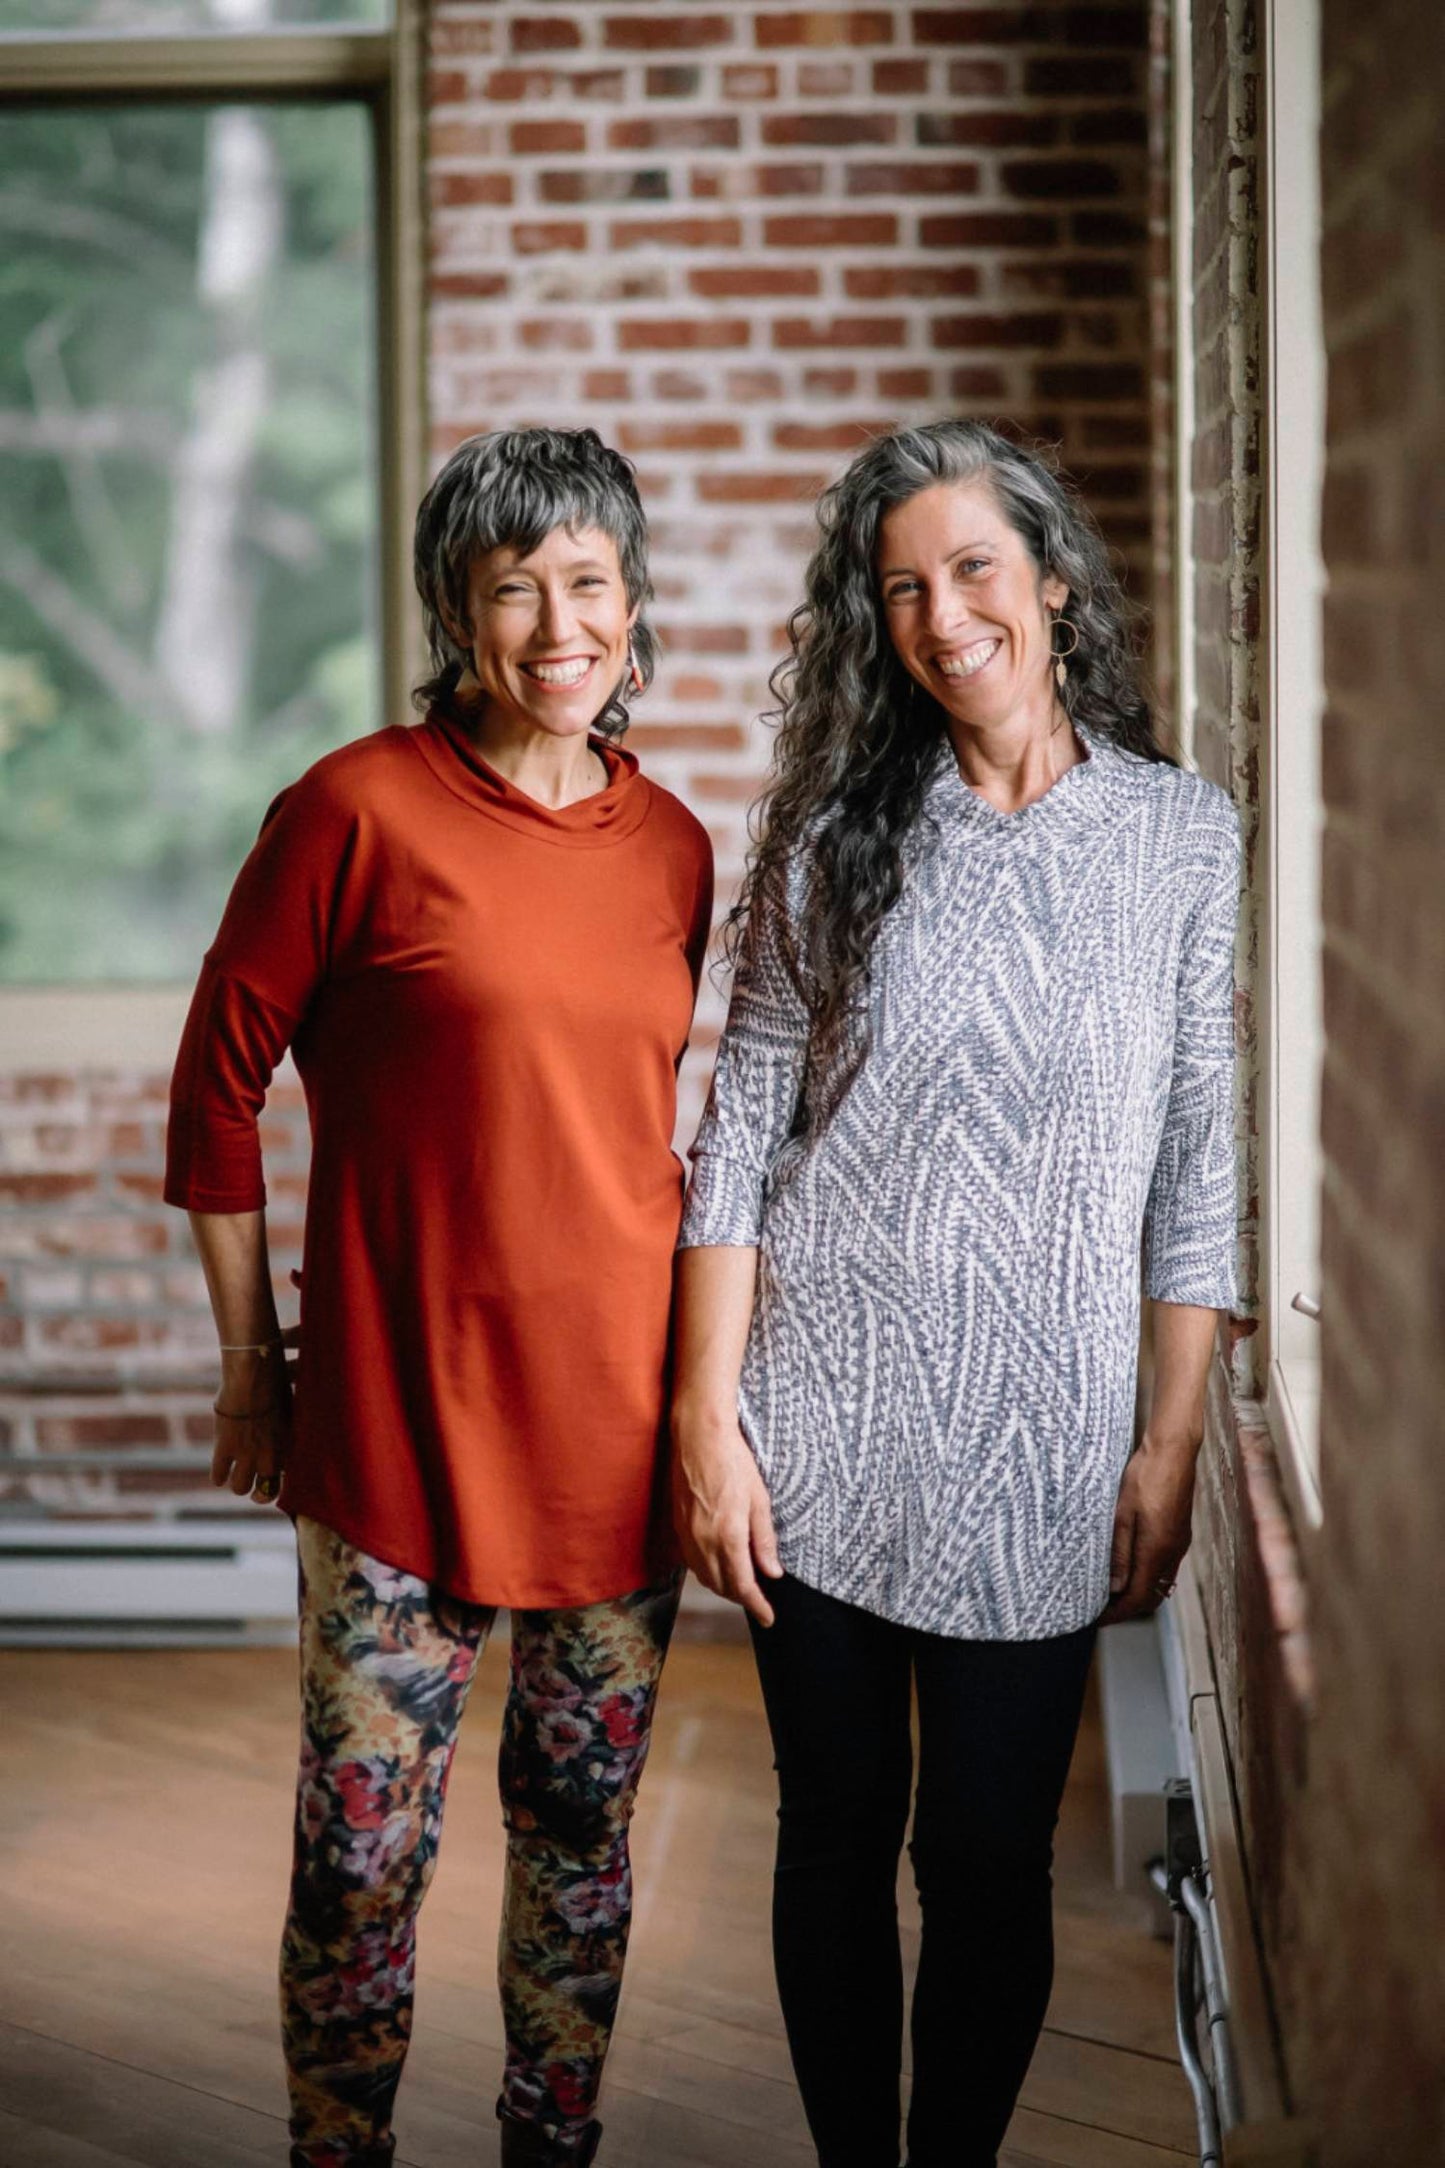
x=1189 y=1240
x=1151 y=1519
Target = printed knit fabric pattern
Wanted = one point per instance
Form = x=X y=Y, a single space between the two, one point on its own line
x=939 y=1379
x=386 y=1666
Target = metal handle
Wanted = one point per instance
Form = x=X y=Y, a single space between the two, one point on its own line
x=1307 y=1305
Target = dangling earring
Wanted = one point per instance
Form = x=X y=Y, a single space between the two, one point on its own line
x=1060 y=663
x=634 y=668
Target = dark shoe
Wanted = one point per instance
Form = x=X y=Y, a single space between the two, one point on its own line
x=532 y=2145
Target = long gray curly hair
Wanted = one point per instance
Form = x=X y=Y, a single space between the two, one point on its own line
x=858 y=740
x=511 y=489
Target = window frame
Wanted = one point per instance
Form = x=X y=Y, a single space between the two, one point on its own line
x=1292 y=472
x=108 y=1025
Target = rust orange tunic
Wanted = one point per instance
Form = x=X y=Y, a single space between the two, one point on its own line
x=487 y=1001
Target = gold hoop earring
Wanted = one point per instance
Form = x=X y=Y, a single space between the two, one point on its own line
x=1060 y=660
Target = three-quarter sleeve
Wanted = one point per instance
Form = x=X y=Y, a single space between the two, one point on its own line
x=753 y=1103
x=1190 y=1216
x=259 y=978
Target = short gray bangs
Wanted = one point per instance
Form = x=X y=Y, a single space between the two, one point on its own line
x=510 y=489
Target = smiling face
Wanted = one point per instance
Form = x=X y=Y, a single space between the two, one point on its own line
x=966 y=606
x=549 y=630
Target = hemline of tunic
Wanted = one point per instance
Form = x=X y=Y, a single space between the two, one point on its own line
x=938 y=1383
x=487 y=1016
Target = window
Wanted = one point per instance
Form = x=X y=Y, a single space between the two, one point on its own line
x=210 y=432
x=1294 y=410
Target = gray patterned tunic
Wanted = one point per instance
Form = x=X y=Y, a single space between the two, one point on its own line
x=940 y=1373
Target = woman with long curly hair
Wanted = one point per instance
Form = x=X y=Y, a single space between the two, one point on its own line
x=977 y=1068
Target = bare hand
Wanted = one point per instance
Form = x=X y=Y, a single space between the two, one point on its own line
x=723 y=1514
x=1151 y=1531
x=253 y=1425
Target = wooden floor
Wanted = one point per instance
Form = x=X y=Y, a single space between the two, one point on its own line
x=144 y=1830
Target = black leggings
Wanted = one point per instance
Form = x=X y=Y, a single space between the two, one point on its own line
x=996 y=1722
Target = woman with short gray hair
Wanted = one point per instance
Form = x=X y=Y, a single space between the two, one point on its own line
x=978 y=1055
x=481 y=937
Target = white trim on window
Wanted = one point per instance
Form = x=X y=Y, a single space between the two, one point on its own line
x=1294 y=396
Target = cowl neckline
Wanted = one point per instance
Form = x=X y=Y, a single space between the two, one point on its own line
x=590 y=823
x=1079 y=795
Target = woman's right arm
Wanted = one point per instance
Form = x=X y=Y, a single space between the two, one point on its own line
x=257 y=983
x=253 y=1407
x=721 y=1506
x=720 y=1502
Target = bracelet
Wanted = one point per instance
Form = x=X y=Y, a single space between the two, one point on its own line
x=251 y=1347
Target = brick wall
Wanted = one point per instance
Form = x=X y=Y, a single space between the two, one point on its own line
x=1329 y=1650
x=734 y=240
x=1377 y=1750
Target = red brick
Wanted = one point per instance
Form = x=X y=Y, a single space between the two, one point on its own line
x=463 y=139
x=601 y=186
x=792 y=130
x=529 y=137
x=675 y=233
x=684 y=639
x=867 y=230
x=1050 y=179
x=1006 y=129
x=672 y=334
x=1108 y=126
x=448 y=86
x=680 y=436
x=22 y=1189
x=760 y=180
x=905 y=383
x=825 y=436
x=984 y=26
x=747 y=385
x=665 y=30
x=451 y=190
x=555 y=334
x=453 y=37
x=919 y=282
x=750 y=80
x=989 y=229
x=468 y=285
x=978 y=78
x=1073 y=279
x=684 y=132
x=1106 y=229
x=538 y=237
x=544 y=34
x=1089 y=380
x=672 y=82
x=729 y=789
x=826 y=78
x=1043 y=329
x=830 y=383
x=58 y=1433
x=509 y=85
x=926 y=178
x=1079 y=78
x=804 y=331
x=758 y=282
x=974 y=382
x=606 y=384
x=900 y=78
x=648 y=737
x=825 y=26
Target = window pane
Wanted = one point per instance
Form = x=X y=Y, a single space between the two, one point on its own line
x=106 y=17
x=187 y=509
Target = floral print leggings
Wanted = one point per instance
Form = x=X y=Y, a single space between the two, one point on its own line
x=386 y=1665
